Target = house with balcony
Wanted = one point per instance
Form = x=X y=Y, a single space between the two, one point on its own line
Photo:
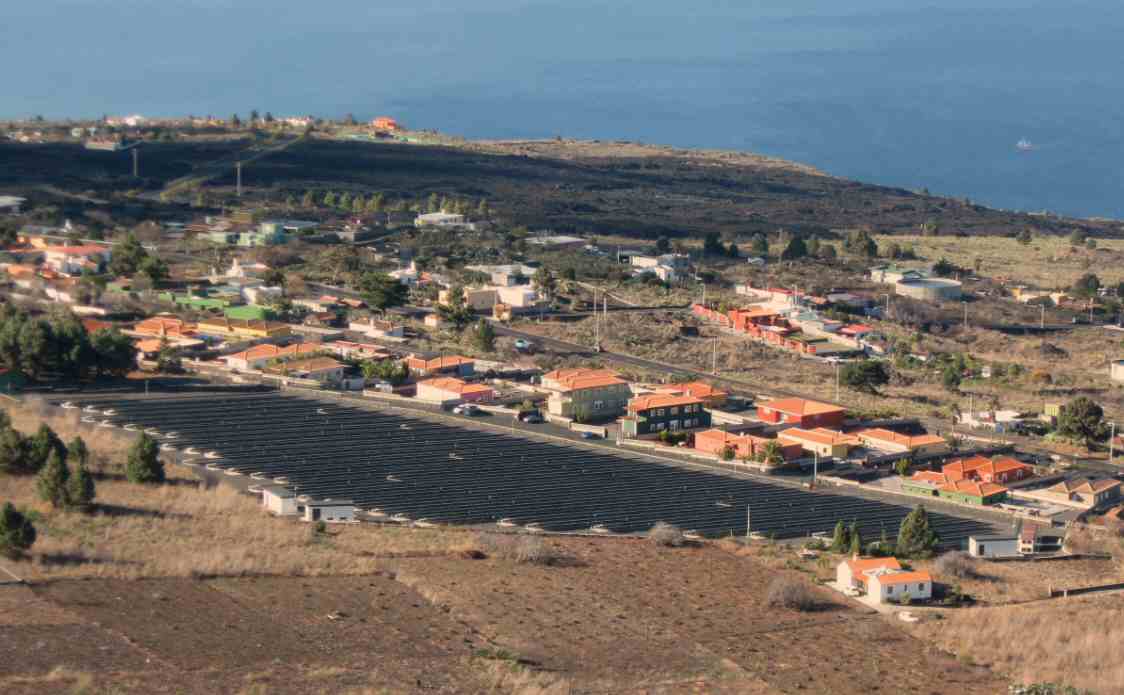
x=586 y=395
x=653 y=413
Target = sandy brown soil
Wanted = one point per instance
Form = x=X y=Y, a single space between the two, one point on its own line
x=614 y=616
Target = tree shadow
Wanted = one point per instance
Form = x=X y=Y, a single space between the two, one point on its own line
x=119 y=510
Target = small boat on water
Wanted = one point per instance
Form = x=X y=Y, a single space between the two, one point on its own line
x=1024 y=145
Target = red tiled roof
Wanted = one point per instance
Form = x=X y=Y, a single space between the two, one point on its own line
x=660 y=400
x=577 y=379
x=904 y=578
x=455 y=385
x=438 y=362
x=911 y=442
x=801 y=406
x=819 y=435
x=973 y=488
x=698 y=389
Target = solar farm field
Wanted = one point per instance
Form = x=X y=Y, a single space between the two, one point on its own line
x=415 y=468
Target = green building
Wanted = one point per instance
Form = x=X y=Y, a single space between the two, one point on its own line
x=972 y=492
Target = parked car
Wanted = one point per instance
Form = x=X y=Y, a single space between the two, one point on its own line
x=466 y=409
x=523 y=345
x=590 y=435
x=531 y=418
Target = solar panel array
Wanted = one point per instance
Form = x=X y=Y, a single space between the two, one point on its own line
x=423 y=468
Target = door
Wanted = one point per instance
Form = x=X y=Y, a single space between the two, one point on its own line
x=316 y=514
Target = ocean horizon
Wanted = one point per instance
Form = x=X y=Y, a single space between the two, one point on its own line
x=927 y=98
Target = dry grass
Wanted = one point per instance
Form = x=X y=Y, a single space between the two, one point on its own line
x=1012 y=582
x=182 y=530
x=1048 y=261
x=1072 y=641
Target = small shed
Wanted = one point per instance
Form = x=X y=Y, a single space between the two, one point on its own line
x=279 y=500
x=329 y=510
x=994 y=546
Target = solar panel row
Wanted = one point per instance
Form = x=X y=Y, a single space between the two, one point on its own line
x=422 y=468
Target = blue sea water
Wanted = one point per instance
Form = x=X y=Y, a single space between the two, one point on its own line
x=925 y=94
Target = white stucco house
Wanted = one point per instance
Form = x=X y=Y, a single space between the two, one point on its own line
x=279 y=500
x=332 y=511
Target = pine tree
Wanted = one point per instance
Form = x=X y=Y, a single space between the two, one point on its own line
x=916 y=538
x=345 y=201
x=358 y=205
x=144 y=464
x=856 y=539
x=840 y=540
x=80 y=489
x=40 y=446
x=50 y=484
x=17 y=534
x=309 y=200
x=329 y=199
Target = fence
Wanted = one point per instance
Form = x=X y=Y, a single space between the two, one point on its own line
x=1066 y=593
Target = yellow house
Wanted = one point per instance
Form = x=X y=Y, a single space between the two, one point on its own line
x=820 y=441
x=243 y=328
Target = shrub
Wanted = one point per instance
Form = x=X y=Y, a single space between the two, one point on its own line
x=956 y=563
x=793 y=594
x=144 y=464
x=527 y=549
x=665 y=534
x=51 y=481
x=17 y=534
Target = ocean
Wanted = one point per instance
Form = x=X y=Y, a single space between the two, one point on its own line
x=919 y=95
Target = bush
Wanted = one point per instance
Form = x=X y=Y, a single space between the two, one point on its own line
x=956 y=563
x=526 y=549
x=667 y=535
x=16 y=532
x=790 y=593
x=144 y=464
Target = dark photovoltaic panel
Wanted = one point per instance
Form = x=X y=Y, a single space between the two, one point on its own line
x=422 y=468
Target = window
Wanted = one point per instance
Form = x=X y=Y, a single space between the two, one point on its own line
x=890 y=589
x=660 y=412
x=598 y=405
x=921 y=587
x=674 y=410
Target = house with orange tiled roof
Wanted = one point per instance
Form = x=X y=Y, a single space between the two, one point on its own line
x=259 y=356
x=820 y=441
x=586 y=394
x=652 y=413
x=801 y=412
x=1000 y=470
x=163 y=326
x=453 y=365
x=741 y=446
x=72 y=260
x=711 y=396
x=972 y=492
x=322 y=369
x=897 y=443
x=450 y=390
x=883 y=580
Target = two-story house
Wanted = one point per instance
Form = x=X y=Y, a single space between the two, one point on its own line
x=652 y=413
x=586 y=394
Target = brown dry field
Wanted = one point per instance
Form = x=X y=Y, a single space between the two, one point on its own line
x=1074 y=641
x=177 y=588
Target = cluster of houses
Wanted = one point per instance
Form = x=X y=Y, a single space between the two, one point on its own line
x=786 y=319
x=976 y=480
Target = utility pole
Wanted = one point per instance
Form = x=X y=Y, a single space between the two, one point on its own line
x=965 y=315
x=714 y=360
x=836 y=382
x=1042 y=318
x=136 y=162
x=238 y=176
x=747 y=519
x=596 y=323
x=815 y=466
